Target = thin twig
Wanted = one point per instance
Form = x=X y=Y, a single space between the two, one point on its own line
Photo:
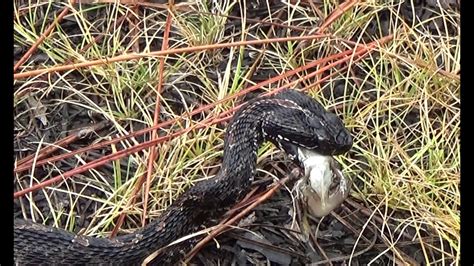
x=312 y=64
x=149 y=143
x=43 y=36
x=341 y=258
x=294 y=174
x=156 y=118
x=132 y=56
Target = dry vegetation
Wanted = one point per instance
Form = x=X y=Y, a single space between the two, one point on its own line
x=401 y=101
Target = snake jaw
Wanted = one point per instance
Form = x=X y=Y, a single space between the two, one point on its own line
x=324 y=186
x=290 y=119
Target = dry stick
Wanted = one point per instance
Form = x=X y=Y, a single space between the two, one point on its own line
x=257 y=61
x=242 y=92
x=244 y=202
x=114 y=156
x=156 y=119
x=409 y=61
x=341 y=258
x=96 y=39
x=314 y=239
x=196 y=111
x=134 y=29
x=184 y=7
x=272 y=247
x=330 y=19
x=61 y=143
x=340 y=10
x=248 y=199
x=161 y=53
x=422 y=64
x=140 y=181
x=259 y=21
x=22 y=10
x=42 y=38
x=206 y=107
x=128 y=151
x=294 y=174
x=146 y=144
x=399 y=254
x=136 y=148
x=157 y=252
x=45 y=151
x=366 y=211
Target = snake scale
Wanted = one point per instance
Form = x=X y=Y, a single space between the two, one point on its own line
x=289 y=119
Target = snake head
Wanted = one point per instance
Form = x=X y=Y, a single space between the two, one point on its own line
x=332 y=137
x=306 y=123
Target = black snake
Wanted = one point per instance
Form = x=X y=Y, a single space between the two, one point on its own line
x=289 y=119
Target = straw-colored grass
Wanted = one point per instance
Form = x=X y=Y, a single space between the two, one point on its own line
x=402 y=109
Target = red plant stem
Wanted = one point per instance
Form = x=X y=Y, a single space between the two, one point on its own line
x=295 y=173
x=156 y=118
x=132 y=56
x=146 y=144
x=194 y=112
x=41 y=38
x=336 y=13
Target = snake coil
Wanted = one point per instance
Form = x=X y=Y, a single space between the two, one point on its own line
x=289 y=119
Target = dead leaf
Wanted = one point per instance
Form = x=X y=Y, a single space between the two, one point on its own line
x=38 y=109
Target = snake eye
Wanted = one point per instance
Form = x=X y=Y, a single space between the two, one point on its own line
x=344 y=139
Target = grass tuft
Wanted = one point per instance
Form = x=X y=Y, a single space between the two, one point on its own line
x=401 y=103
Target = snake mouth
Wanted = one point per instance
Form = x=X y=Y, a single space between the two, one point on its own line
x=324 y=186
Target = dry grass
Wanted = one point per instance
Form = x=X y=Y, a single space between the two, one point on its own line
x=401 y=103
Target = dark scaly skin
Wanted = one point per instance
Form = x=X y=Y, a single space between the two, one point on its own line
x=288 y=119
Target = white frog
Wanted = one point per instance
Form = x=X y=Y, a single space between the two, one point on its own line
x=324 y=187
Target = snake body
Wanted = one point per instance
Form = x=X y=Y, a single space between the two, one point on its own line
x=289 y=119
